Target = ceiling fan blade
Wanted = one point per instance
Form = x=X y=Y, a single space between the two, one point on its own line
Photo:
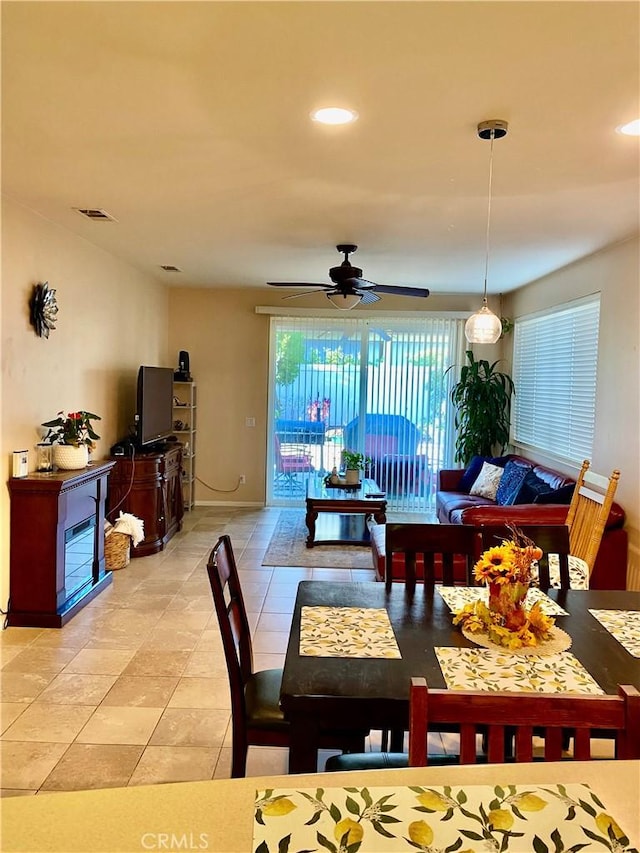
x=304 y=293
x=300 y=284
x=360 y=283
x=368 y=297
x=401 y=291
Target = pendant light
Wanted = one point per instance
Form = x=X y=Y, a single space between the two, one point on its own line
x=484 y=327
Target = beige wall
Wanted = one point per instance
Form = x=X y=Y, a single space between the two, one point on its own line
x=111 y=319
x=228 y=344
x=613 y=273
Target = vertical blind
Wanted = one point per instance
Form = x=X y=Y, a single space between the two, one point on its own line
x=358 y=376
x=555 y=365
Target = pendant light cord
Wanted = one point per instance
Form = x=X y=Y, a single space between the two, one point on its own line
x=486 y=257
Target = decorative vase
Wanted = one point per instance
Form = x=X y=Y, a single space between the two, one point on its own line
x=507 y=601
x=70 y=458
x=352 y=476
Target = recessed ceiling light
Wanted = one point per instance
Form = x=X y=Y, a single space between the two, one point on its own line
x=630 y=129
x=334 y=115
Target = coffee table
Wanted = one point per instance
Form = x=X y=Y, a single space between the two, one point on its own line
x=351 y=506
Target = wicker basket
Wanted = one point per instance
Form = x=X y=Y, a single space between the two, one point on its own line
x=117 y=547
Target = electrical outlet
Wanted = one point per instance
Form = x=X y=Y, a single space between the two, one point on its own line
x=243 y=480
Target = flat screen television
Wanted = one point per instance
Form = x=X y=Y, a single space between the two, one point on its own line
x=154 y=405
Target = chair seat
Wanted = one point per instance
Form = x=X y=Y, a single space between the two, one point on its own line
x=262 y=696
x=366 y=761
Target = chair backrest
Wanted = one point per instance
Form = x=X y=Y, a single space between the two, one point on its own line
x=551 y=538
x=428 y=544
x=529 y=715
x=588 y=512
x=232 y=618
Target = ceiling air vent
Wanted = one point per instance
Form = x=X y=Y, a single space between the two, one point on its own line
x=170 y=268
x=96 y=213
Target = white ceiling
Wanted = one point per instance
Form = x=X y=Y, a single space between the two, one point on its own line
x=189 y=123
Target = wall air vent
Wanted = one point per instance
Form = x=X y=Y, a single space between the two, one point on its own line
x=170 y=268
x=96 y=213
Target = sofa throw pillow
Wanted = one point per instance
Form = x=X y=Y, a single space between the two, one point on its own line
x=531 y=487
x=562 y=495
x=471 y=473
x=512 y=479
x=474 y=467
x=488 y=481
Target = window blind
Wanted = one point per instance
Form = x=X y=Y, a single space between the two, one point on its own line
x=555 y=365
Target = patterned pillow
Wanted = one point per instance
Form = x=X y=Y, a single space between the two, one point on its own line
x=486 y=486
x=514 y=474
x=473 y=470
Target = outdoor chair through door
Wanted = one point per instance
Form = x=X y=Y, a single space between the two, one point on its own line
x=529 y=715
x=291 y=461
x=256 y=718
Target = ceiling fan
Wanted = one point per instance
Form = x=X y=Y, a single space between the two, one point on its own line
x=349 y=288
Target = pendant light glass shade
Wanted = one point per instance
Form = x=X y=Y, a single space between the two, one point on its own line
x=484 y=327
x=344 y=301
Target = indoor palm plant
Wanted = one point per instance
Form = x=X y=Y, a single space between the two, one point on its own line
x=73 y=436
x=482 y=400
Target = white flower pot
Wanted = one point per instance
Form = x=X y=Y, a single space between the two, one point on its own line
x=70 y=458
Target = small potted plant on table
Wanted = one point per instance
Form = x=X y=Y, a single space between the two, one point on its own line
x=73 y=437
x=353 y=462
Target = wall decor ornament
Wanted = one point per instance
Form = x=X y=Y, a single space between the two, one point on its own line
x=43 y=309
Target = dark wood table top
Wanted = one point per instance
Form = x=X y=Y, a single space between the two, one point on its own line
x=377 y=690
x=319 y=495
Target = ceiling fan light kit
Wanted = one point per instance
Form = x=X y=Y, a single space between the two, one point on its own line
x=344 y=301
x=484 y=327
x=349 y=288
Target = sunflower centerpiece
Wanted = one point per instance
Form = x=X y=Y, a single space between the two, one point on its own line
x=507 y=571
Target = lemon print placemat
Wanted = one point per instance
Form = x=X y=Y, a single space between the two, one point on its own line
x=486 y=669
x=347 y=632
x=624 y=625
x=512 y=818
x=457 y=596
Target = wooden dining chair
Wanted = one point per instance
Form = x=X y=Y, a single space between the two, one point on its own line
x=256 y=717
x=551 y=538
x=588 y=512
x=528 y=715
x=430 y=550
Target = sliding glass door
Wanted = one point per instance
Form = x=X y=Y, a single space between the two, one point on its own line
x=375 y=385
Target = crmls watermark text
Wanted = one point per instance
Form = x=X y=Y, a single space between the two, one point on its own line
x=175 y=841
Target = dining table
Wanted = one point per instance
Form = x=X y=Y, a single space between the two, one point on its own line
x=563 y=804
x=354 y=646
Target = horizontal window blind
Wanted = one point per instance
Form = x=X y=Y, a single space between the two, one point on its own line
x=555 y=363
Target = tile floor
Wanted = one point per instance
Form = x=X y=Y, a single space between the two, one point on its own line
x=133 y=690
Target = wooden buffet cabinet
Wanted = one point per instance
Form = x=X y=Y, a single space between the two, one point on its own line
x=149 y=486
x=57 y=544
